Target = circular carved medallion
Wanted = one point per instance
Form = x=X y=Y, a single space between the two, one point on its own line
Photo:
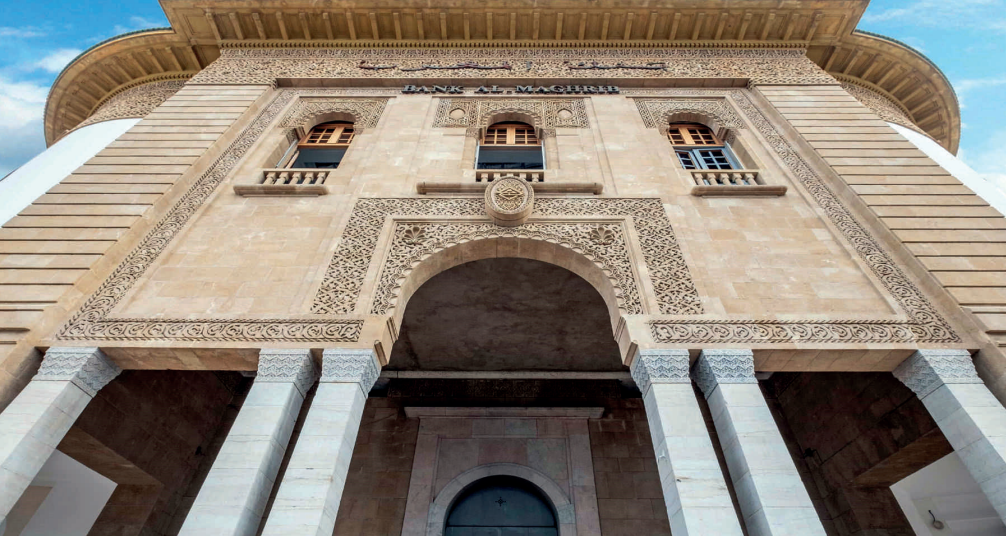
x=509 y=201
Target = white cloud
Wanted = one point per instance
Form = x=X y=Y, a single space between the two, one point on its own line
x=21 y=105
x=56 y=60
x=979 y=14
x=20 y=33
x=979 y=84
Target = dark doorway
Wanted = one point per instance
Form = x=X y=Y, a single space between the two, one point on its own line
x=501 y=506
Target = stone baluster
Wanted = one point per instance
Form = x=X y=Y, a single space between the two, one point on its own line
x=309 y=495
x=35 y=422
x=970 y=416
x=233 y=497
x=695 y=492
x=772 y=496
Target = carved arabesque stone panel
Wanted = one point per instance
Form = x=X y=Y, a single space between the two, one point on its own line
x=87 y=368
x=264 y=66
x=885 y=108
x=660 y=366
x=366 y=112
x=926 y=370
x=340 y=289
x=657 y=113
x=723 y=366
x=134 y=102
x=477 y=112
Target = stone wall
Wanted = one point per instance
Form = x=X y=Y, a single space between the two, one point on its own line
x=853 y=435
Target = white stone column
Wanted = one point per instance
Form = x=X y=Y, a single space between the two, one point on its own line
x=971 y=418
x=695 y=492
x=771 y=494
x=232 y=499
x=37 y=419
x=309 y=495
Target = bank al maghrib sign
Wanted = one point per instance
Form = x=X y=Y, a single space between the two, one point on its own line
x=574 y=90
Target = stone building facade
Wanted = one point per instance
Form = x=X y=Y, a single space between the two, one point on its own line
x=700 y=268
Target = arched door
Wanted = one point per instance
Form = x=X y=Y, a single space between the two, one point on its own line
x=501 y=506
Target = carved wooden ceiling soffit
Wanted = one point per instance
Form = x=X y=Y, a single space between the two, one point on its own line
x=543 y=113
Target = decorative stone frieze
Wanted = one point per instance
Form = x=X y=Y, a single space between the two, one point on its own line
x=87 y=368
x=660 y=366
x=350 y=366
x=134 y=102
x=926 y=370
x=723 y=366
x=477 y=113
x=657 y=113
x=887 y=109
x=509 y=201
x=264 y=66
x=287 y=366
x=365 y=112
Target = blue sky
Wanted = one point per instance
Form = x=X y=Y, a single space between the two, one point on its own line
x=966 y=38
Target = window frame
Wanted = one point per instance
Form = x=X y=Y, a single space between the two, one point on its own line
x=511 y=128
x=340 y=128
x=693 y=143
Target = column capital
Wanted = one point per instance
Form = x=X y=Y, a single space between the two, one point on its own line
x=926 y=370
x=358 y=366
x=659 y=366
x=288 y=366
x=723 y=366
x=87 y=368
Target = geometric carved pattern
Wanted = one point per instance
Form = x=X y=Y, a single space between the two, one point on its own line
x=926 y=370
x=545 y=113
x=413 y=242
x=341 y=365
x=287 y=366
x=91 y=322
x=135 y=102
x=509 y=201
x=87 y=368
x=264 y=66
x=676 y=294
x=925 y=324
x=660 y=366
x=365 y=112
x=723 y=366
x=657 y=113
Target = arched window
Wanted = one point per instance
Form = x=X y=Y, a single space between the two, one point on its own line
x=323 y=147
x=510 y=146
x=501 y=506
x=698 y=147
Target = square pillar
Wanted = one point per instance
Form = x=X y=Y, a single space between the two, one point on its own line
x=771 y=494
x=309 y=495
x=35 y=422
x=232 y=499
x=970 y=416
x=695 y=492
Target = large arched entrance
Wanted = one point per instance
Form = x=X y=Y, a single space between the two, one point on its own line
x=506 y=314
x=501 y=506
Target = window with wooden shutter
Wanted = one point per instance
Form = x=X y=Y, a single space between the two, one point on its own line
x=510 y=146
x=324 y=146
x=698 y=147
x=510 y=134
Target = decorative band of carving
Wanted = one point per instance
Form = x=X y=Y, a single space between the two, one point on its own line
x=91 y=322
x=134 y=102
x=264 y=66
x=87 y=368
x=657 y=113
x=365 y=112
x=716 y=367
x=287 y=366
x=350 y=366
x=886 y=108
x=660 y=366
x=926 y=370
x=542 y=113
